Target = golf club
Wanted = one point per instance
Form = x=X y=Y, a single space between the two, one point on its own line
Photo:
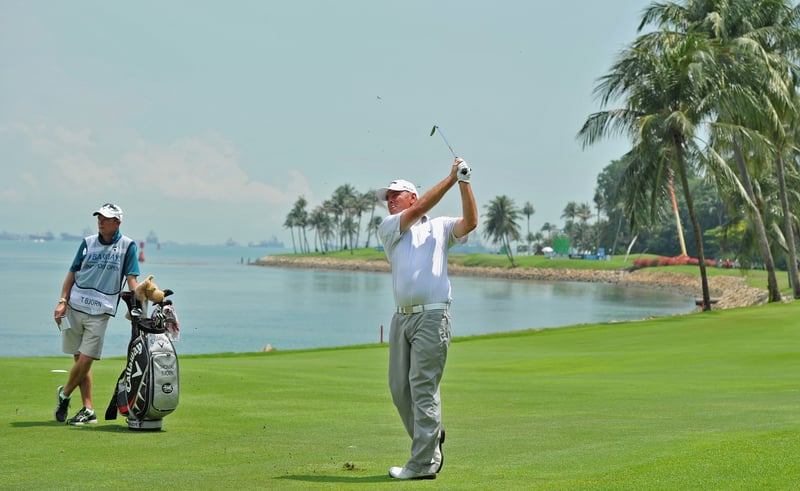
x=433 y=130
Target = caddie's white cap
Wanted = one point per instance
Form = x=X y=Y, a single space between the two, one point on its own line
x=109 y=210
x=397 y=185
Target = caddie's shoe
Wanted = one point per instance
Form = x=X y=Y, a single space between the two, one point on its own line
x=62 y=405
x=438 y=456
x=84 y=416
x=403 y=473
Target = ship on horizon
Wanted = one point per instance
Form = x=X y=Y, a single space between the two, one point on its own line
x=273 y=242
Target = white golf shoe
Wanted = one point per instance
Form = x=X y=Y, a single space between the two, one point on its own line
x=404 y=474
x=438 y=455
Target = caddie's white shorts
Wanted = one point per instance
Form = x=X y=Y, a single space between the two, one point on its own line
x=86 y=334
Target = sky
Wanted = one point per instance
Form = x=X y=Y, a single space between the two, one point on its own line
x=207 y=120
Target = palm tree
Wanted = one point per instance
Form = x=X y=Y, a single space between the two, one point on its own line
x=756 y=44
x=549 y=228
x=789 y=217
x=529 y=243
x=341 y=205
x=501 y=224
x=349 y=229
x=661 y=78
x=608 y=188
x=570 y=211
x=730 y=66
x=372 y=227
x=569 y=214
x=320 y=221
x=538 y=239
x=599 y=204
x=289 y=223
x=361 y=204
x=300 y=220
x=334 y=212
x=780 y=44
x=528 y=210
x=584 y=212
x=371 y=199
x=755 y=209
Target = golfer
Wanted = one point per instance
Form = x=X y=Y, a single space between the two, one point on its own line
x=417 y=248
x=89 y=297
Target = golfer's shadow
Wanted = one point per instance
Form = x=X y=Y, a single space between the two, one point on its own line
x=105 y=427
x=337 y=479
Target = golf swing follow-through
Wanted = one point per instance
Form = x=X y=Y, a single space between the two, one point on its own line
x=419 y=337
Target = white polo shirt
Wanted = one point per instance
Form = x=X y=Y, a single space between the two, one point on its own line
x=419 y=258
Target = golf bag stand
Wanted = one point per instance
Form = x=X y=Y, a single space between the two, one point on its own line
x=148 y=388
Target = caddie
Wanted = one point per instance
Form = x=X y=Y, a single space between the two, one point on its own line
x=89 y=297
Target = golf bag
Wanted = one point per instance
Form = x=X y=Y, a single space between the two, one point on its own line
x=148 y=388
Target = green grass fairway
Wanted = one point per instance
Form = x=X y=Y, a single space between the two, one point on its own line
x=706 y=401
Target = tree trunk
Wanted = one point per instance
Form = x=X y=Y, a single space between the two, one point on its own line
x=677 y=218
x=788 y=229
x=507 y=245
x=763 y=242
x=698 y=234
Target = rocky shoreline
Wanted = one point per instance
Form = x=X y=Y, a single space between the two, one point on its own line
x=726 y=291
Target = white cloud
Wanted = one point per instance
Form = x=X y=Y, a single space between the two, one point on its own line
x=155 y=182
x=200 y=167
x=203 y=168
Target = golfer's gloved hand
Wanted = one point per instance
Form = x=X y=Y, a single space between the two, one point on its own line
x=464 y=171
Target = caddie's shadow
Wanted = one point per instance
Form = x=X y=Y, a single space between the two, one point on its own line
x=338 y=479
x=34 y=424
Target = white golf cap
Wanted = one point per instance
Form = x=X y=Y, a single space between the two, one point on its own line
x=397 y=185
x=109 y=210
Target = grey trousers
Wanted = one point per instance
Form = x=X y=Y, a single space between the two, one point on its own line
x=418 y=345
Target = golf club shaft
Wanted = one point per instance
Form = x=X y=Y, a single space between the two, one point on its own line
x=439 y=130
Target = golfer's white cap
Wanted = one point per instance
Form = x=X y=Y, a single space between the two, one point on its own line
x=109 y=210
x=397 y=185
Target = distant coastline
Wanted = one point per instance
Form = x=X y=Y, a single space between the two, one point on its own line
x=728 y=291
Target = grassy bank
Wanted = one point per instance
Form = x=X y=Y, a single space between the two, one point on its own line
x=753 y=278
x=708 y=401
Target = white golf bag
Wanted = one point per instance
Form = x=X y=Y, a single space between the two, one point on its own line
x=148 y=389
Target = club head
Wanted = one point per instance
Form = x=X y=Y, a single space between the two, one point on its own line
x=433 y=130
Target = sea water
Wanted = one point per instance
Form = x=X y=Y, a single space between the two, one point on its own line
x=226 y=304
